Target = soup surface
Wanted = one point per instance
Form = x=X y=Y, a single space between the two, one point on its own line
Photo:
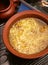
x=29 y=35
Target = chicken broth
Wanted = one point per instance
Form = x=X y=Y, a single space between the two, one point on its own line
x=29 y=35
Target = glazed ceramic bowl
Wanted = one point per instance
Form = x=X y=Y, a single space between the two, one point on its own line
x=44 y=5
x=7 y=8
x=11 y=21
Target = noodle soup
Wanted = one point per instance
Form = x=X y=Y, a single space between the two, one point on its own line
x=29 y=35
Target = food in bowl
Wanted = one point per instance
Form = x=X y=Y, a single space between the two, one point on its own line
x=29 y=35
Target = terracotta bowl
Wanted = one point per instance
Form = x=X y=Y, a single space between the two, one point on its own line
x=13 y=19
x=7 y=8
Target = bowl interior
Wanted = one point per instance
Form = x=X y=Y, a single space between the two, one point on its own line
x=4 y=4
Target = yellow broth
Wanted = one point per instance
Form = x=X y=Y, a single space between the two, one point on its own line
x=29 y=35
